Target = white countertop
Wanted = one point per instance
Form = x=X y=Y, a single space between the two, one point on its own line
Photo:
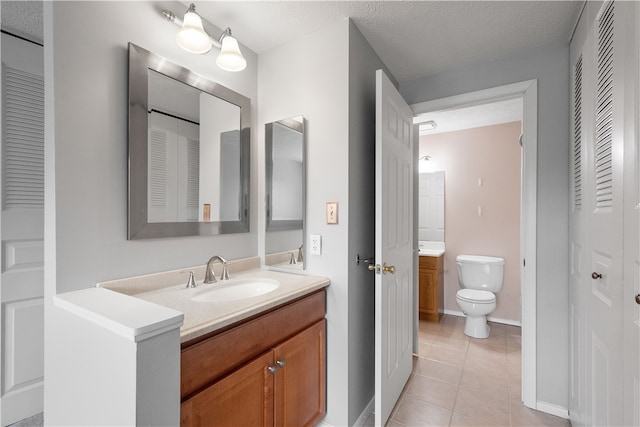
x=131 y=318
x=431 y=252
x=203 y=317
x=431 y=248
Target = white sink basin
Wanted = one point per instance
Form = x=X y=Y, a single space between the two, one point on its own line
x=236 y=290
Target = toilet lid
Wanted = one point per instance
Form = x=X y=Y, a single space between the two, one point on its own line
x=476 y=296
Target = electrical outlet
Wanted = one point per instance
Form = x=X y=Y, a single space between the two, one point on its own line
x=316 y=244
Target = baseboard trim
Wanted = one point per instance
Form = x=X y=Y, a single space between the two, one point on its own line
x=552 y=409
x=490 y=318
x=361 y=419
x=365 y=414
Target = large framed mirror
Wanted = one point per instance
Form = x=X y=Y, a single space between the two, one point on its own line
x=188 y=152
x=285 y=193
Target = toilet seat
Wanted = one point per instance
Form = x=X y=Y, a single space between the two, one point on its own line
x=476 y=296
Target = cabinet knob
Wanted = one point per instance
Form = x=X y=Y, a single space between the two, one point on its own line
x=596 y=276
x=272 y=369
x=638 y=299
x=280 y=363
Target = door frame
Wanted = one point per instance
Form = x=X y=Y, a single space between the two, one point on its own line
x=528 y=91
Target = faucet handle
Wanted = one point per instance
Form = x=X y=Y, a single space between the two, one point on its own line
x=191 y=283
x=225 y=271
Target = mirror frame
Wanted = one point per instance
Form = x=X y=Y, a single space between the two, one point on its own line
x=280 y=225
x=140 y=61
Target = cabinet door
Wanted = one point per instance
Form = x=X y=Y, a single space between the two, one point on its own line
x=300 y=383
x=243 y=398
x=428 y=297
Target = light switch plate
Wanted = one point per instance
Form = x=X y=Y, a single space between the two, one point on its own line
x=332 y=212
x=316 y=244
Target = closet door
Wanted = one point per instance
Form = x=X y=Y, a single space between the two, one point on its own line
x=22 y=231
x=604 y=360
x=577 y=317
x=632 y=219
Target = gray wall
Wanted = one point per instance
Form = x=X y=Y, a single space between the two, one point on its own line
x=86 y=147
x=363 y=63
x=550 y=66
x=87 y=80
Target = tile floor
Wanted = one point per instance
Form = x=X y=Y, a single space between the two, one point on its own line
x=462 y=381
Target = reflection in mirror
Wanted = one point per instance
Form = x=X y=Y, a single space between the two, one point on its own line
x=286 y=186
x=188 y=152
x=431 y=207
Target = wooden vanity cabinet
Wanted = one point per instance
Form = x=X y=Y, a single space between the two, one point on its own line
x=273 y=370
x=431 y=288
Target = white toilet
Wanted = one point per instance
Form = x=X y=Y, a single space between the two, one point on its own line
x=480 y=277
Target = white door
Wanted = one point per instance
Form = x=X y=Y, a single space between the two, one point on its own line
x=394 y=279
x=632 y=228
x=604 y=358
x=22 y=230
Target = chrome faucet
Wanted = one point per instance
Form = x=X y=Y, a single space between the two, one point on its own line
x=292 y=260
x=209 y=276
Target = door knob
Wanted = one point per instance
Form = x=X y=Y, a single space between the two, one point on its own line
x=638 y=299
x=596 y=276
x=382 y=268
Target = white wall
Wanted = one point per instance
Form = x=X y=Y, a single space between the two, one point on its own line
x=550 y=66
x=86 y=145
x=308 y=77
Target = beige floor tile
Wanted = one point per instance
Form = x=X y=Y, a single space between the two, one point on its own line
x=483 y=382
x=416 y=412
x=462 y=420
x=494 y=339
x=486 y=352
x=482 y=407
x=495 y=367
x=453 y=343
x=443 y=354
x=439 y=371
x=432 y=391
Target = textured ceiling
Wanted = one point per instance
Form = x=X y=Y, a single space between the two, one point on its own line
x=23 y=18
x=413 y=38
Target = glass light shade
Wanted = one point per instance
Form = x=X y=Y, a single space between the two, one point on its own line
x=230 y=58
x=192 y=36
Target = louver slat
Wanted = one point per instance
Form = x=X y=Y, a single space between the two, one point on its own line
x=604 y=111
x=193 y=173
x=577 y=137
x=23 y=150
x=157 y=169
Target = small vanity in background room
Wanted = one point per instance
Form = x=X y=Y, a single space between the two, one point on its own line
x=431 y=281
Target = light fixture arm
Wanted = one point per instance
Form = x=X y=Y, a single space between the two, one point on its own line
x=170 y=16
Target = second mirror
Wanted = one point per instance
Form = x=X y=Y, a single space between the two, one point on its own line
x=285 y=192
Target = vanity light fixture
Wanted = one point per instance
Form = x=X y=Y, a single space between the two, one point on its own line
x=194 y=39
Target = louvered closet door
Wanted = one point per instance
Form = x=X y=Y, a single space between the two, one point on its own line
x=577 y=279
x=22 y=230
x=604 y=285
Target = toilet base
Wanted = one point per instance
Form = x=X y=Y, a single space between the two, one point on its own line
x=476 y=327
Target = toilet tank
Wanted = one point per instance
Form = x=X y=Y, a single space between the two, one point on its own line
x=480 y=272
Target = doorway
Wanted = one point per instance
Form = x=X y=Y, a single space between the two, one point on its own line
x=527 y=91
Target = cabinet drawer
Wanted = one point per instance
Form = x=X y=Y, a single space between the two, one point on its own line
x=207 y=360
x=431 y=262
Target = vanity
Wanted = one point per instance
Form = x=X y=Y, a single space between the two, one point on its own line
x=431 y=281
x=245 y=351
